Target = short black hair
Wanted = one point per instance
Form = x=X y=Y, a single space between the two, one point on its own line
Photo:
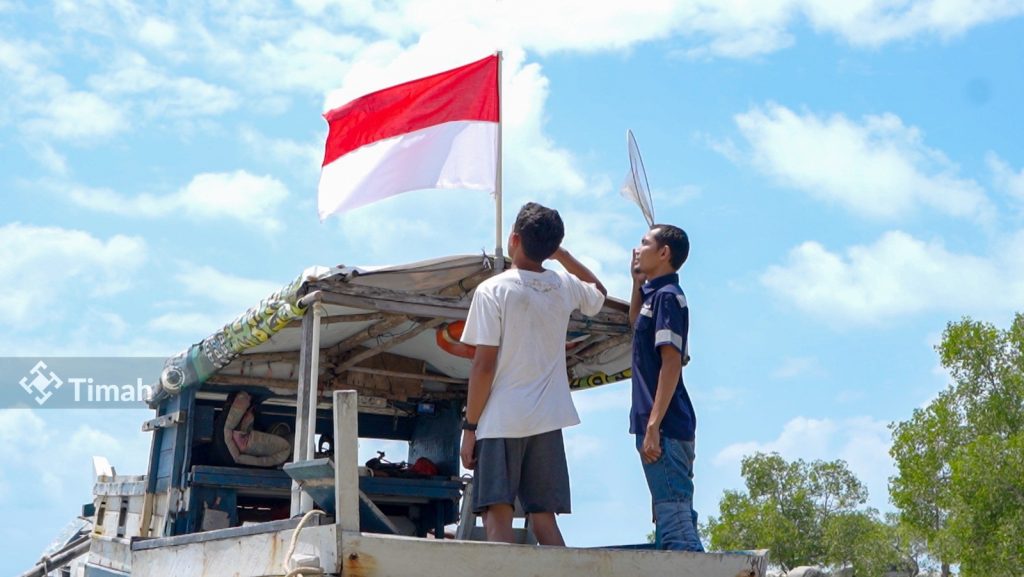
x=540 y=230
x=675 y=239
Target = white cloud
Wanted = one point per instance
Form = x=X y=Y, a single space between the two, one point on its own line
x=194 y=324
x=877 y=22
x=731 y=29
x=45 y=105
x=862 y=442
x=615 y=397
x=310 y=58
x=877 y=168
x=233 y=292
x=793 y=367
x=899 y=275
x=590 y=236
x=77 y=115
x=579 y=446
x=247 y=198
x=1007 y=180
x=49 y=158
x=160 y=95
x=850 y=396
x=716 y=397
x=304 y=159
x=18 y=427
x=42 y=266
x=157 y=33
x=31 y=441
x=801 y=437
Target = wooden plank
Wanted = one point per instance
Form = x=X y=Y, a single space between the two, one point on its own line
x=346 y=455
x=258 y=553
x=218 y=534
x=366 y=555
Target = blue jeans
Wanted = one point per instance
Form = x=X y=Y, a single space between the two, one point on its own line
x=670 y=480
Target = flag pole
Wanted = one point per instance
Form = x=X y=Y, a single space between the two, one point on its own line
x=499 y=258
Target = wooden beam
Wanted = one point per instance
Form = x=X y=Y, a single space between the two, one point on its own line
x=285 y=387
x=371 y=332
x=582 y=346
x=265 y=382
x=334 y=319
x=302 y=404
x=346 y=454
x=466 y=285
x=596 y=349
x=404 y=375
x=359 y=357
x=397 y=302
x=284 y=357
x=604 y=322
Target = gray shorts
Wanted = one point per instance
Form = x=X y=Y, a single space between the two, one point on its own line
x=531 y=468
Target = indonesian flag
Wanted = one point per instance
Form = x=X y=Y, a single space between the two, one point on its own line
x=435 y=132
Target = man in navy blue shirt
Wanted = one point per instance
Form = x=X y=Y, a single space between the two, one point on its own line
x=662 y=417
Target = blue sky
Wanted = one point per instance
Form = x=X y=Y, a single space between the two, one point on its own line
x=850 y=175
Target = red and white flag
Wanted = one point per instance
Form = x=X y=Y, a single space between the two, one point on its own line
x=435 y=132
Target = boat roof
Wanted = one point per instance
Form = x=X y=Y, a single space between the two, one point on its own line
x=382 y=330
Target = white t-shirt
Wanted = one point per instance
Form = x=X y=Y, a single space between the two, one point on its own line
x=526 y=315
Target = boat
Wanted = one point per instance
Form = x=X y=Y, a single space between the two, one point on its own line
x=253 y=466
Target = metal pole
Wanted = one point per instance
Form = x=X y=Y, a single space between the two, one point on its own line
x=74 y=549
x=499 y=258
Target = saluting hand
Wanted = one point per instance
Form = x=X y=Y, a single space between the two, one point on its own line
x=638 y=277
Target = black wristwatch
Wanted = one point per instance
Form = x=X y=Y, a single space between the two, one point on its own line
x=467 y=426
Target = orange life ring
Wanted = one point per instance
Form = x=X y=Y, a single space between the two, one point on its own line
x=448 y=336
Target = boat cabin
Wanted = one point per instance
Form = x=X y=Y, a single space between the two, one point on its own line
x=244 y=417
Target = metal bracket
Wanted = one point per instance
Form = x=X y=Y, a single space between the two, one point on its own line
x=163 y=422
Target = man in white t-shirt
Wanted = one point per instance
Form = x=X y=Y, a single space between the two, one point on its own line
x=519 y=399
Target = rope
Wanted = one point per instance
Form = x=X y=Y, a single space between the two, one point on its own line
x=300 y=571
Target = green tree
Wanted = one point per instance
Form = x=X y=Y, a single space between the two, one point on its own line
x=861 y=540
x=796 y=509
x=960 y=461
x=923 y=448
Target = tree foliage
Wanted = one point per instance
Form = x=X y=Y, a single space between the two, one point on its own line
x=806 y=513
x=960 y=460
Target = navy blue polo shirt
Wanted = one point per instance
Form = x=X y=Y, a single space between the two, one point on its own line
x=664 y=320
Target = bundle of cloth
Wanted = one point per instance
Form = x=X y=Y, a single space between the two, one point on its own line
x=248 y=446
